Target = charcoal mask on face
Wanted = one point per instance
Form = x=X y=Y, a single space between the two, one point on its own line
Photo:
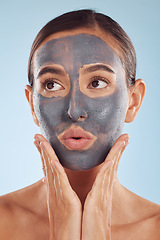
x=102 y=117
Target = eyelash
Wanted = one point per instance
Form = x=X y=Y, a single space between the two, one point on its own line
x=48 y=80
x=96 y=78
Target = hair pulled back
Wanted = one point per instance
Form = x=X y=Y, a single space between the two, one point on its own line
x=89 y=19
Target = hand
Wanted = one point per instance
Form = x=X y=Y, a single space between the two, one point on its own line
x=96 y=221
x=64 y=207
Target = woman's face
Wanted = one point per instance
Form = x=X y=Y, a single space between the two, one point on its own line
x=80 y=97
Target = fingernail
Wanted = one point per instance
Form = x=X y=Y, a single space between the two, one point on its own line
x=35 y=136
x=109 y=163
x=36 y=142
x=126 y=141
x=127 y=137
x=122 y=143
x=53 y=162
x=42 y=145
x=37 y=145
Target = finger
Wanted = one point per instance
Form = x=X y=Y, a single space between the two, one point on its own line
x=65 y=187
x=48 y=148
x=117 y=153
x=49 y=179
x=37 y=144
x=97 y=188
x=49 y=157
x=40 y=137
x=45 y=145
x=106 y=183
x=55 y=165
x=123 y=138
x=48 y=170
x=53 y=179
x=56 y=171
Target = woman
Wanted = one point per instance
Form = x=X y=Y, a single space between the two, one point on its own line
x=82 y=89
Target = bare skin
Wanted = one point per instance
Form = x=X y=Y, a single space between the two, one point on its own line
x=24 y=213
x=82 y=205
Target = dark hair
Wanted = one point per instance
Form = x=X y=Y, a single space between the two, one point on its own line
x=90 y=19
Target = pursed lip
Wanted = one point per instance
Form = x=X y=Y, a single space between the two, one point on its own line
x=75 y=138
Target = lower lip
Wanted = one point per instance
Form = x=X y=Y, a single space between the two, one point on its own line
x=77 y=144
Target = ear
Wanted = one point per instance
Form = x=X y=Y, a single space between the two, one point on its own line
x=29 y=96
x=136 y=95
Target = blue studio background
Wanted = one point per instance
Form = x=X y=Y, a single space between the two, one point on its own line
x=20 y=21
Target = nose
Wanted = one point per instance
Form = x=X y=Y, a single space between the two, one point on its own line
x=76 y=110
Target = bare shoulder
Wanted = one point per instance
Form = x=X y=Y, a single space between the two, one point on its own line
x=141 y=207
x=6 y=218
x=148 y=217
x=19 y=211
x=151 y=227
x=155 y=222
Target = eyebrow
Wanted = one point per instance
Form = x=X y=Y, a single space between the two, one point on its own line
x=50 y=70
x=98 y=67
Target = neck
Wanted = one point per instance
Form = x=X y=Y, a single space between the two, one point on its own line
x=123 y=204
x=82 y=181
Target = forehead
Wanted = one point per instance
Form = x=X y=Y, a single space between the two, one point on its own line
x=76 y=51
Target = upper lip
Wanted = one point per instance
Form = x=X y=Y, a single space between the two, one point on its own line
x=75 y=132
x=75 y=138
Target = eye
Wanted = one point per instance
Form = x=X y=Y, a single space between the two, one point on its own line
x=98 y=82
x=51 y=85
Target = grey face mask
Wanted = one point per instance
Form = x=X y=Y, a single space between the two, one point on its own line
x=103 y=116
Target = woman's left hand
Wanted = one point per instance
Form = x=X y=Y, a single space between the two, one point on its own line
x=96 y=221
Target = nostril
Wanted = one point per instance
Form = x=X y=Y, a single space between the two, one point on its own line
x=78 y=119
x=81 y=118
x=69 y=117
x=76 y=113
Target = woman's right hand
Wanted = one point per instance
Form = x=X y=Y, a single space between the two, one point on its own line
x=64 y=206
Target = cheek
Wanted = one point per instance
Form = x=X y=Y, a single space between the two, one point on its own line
x=107 y=113
x=49 y=112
